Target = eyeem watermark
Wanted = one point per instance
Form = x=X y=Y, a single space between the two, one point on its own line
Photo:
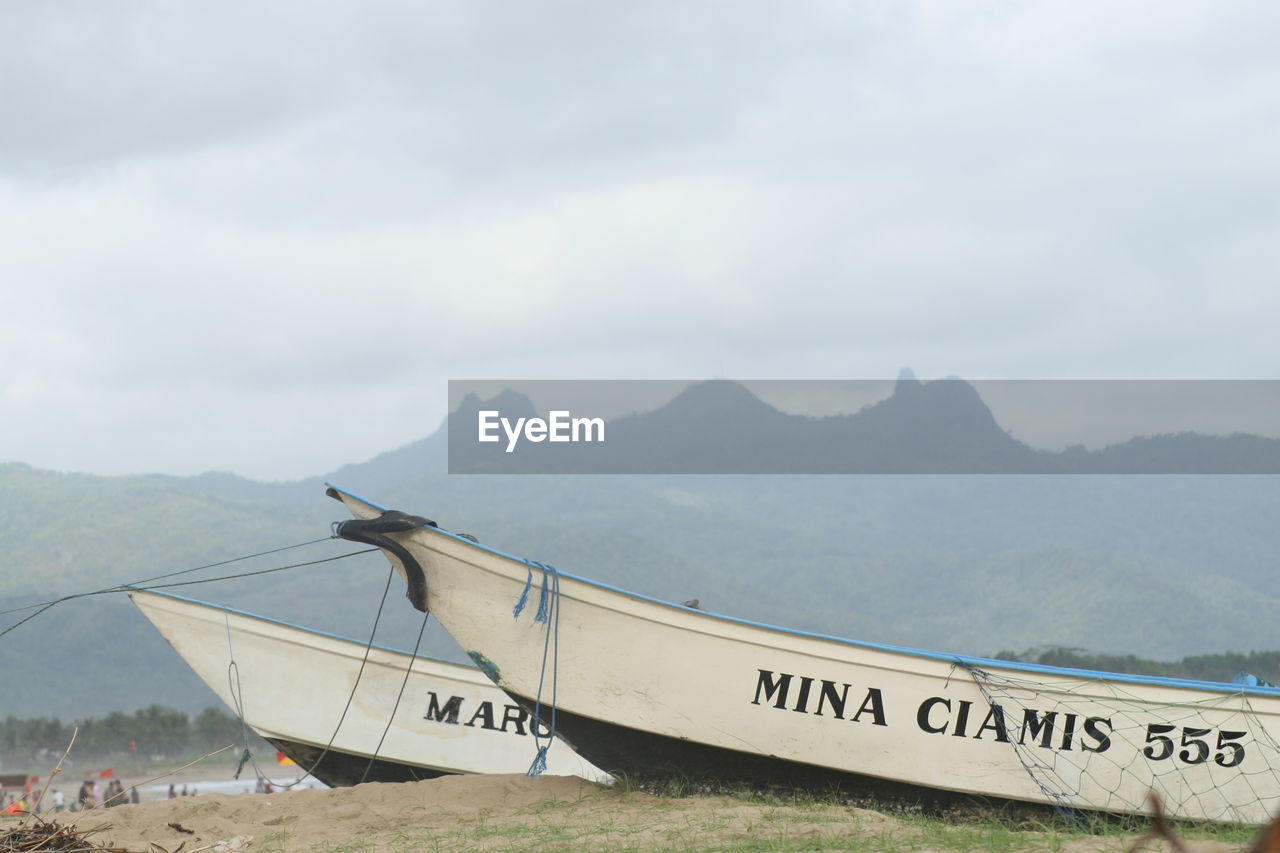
x=902 y=426
x=558 y=426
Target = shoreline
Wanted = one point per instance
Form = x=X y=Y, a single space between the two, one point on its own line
x=153 y=780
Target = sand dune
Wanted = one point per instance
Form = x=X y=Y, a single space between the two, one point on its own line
x=483 y=813
x=379 y=814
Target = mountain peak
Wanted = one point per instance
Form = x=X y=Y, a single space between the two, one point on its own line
x=939 y=395
x=718 y=396
x=907 y=383
x=512 y=404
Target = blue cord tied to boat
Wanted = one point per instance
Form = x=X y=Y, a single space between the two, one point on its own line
x=528 y=584
x=548 y=614
x=544 y=597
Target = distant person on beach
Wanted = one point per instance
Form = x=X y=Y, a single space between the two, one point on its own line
x=133 y=794
x=85 y=798
x=173 y=792
x=97 y=795
x=115 y=794
x=59 y=801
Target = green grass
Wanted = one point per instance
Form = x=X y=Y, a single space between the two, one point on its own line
x=276 y=842
x=633 y=821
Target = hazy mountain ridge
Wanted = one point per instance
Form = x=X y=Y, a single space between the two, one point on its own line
x=1155 y=566
x=938 y=427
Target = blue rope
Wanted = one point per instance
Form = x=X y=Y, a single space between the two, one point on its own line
x=544 y=597
x=524 y=596
x=548 y=613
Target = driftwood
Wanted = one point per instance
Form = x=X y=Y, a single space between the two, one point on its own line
x=58 y=767
x=36 y=835
x=170 y=773
x=54 y=837
x=42 y=835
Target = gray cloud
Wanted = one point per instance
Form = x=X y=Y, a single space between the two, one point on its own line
x=255 y=209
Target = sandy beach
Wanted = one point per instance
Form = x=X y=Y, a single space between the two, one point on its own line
x=487 y=813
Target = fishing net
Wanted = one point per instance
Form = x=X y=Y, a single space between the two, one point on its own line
x=1109 y=743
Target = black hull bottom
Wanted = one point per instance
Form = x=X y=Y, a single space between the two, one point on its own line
x=644 y=757
x=341 y=769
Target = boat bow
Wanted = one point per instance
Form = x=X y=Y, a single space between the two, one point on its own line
x=378 y=530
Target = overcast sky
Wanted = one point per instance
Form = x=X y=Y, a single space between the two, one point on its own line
x=260 y=237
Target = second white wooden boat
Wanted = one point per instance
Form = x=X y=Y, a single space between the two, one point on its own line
x=305 y=692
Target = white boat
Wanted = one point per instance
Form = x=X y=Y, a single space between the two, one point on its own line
x=644 y=687
x=292 y=686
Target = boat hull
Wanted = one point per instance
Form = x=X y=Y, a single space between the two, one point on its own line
x=341 y=769
x=292 y=686
x=612 y=662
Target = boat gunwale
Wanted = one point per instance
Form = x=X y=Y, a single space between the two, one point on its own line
x=303 y=628
x=1225 y=688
